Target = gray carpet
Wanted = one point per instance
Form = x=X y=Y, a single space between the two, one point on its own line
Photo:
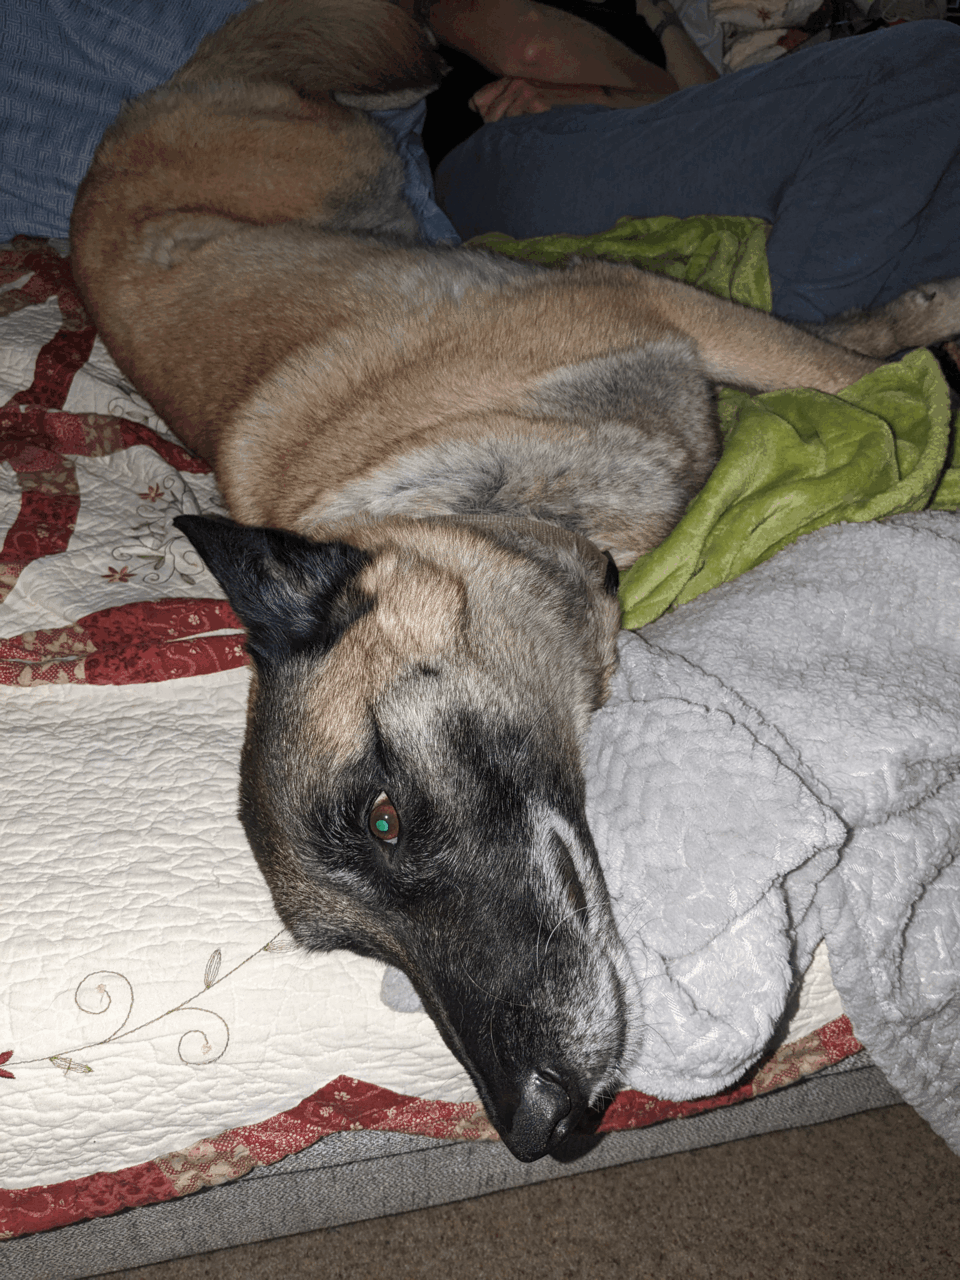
x=875 y=1195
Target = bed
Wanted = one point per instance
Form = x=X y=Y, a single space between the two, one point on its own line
x=160 y=1034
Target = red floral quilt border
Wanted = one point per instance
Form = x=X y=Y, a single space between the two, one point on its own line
x=346 y=1104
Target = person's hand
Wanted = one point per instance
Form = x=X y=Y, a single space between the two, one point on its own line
x=516 y=97
x=508 y=97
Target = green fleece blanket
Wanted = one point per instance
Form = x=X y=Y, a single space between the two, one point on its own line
x=792 y=460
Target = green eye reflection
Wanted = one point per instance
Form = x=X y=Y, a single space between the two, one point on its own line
x=384 y=821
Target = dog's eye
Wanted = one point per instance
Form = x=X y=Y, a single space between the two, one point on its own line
x=384 y=821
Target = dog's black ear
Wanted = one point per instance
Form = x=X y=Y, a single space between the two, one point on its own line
x=290 y=594
x=611 y=580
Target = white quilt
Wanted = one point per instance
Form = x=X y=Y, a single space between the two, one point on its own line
x=150 y=995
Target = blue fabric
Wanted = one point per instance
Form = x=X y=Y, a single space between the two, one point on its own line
x=67 y=67
x=851 y=151
x=406 y=125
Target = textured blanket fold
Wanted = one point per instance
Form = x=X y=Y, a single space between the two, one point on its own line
x=780 y=761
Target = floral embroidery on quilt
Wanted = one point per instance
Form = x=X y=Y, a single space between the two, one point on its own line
x=203 y=1041
x=52 y=454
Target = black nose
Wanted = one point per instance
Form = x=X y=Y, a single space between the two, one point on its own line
x=544 y=1115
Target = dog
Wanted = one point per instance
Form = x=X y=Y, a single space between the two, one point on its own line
x=434 y=459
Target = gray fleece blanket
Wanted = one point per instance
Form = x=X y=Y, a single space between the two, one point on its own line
x=780 y=762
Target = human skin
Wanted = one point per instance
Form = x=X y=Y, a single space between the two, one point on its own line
x=545 y=57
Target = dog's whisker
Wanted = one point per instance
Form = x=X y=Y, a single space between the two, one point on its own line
x=491 y=995
x=561 y=922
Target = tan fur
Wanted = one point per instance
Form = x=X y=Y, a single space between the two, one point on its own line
x=298 y=359
x=425 y=450
x=435 y=585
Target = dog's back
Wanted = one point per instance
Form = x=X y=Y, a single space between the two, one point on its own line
x=246 y=136
x=223 y=241
x=245 y=249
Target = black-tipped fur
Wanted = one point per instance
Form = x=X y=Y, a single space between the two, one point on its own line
x=290 y=594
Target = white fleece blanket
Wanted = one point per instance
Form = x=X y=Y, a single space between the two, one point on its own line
x=780 y=762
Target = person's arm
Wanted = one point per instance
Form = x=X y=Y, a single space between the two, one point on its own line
x=515 y=97
x=685 y=62
x=520 y=39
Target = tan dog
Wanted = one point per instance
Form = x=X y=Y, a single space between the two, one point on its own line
x=439 y=441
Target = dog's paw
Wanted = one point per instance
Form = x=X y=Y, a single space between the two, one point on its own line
x=921 y=317
x=927 y=314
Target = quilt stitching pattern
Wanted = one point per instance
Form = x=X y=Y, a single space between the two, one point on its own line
x=41 y=442
x=97 y=992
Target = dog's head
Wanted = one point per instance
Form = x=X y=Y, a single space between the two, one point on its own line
x=411 y=783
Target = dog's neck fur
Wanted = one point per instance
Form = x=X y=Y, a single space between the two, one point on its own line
x=538 y=480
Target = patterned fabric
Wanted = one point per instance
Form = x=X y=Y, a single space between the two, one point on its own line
x=347 y=1104
x=160 y=637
